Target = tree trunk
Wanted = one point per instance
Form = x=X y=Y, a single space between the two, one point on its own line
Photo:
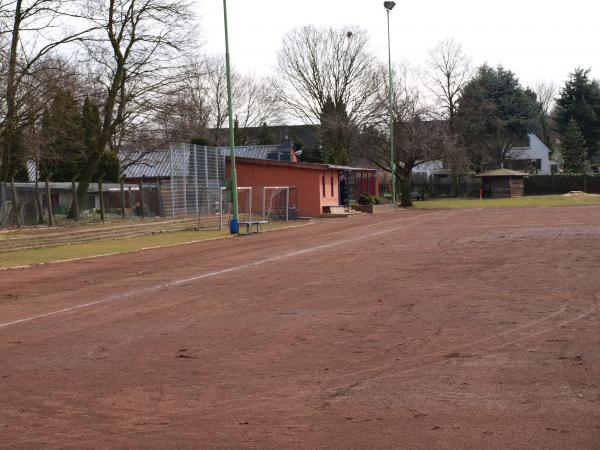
x=405 y=191
x=455 y=184
x=9 y=161
x=108 y=124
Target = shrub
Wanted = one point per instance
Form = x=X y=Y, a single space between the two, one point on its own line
x=368 y=199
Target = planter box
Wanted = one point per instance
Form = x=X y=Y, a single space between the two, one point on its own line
x=375 y=209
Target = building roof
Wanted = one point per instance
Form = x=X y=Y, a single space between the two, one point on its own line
x=308 y=134
x=159 y=164
x=502 y=173
x=301 y=165
x=351 y=169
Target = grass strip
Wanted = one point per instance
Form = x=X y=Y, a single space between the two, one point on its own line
x=470 y=203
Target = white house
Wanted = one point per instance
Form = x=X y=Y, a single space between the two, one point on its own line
x=534 y=158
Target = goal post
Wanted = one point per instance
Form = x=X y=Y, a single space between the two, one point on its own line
x=276 y=202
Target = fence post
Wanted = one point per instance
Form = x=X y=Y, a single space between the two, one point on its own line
x=220 y=208
x=101 y=198
x=196 y=178
x=15 y=203
x=185 y=194
x=142 y=196
x=250 y=203
x=287 y=204
x=3 y=203
x=49 y=198
x=75 y=200
x=38 y=202
x=264 y=202
x=206 y=166
x=172 y=181
x=122 y=187
x=161 y=210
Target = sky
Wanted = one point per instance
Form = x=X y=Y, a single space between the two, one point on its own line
x=539 y=40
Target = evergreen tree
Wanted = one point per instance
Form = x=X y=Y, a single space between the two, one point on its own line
x=335 y=132
x=63 y=147
x=574 y=150
x=495 y=113
x=264 y=136
x=204 y=141
x=580 y=100
x=109 y=166
x=19 y=169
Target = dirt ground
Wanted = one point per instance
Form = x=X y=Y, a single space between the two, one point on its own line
x=421 y=329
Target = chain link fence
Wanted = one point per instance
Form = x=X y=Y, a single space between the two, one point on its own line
x=31 y=204
x=185 y=181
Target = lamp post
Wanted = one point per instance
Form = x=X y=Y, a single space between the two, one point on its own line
x=388 y=7
x=234 y=225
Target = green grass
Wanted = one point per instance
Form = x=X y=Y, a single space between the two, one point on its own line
x=88 y=249
x=469 y=203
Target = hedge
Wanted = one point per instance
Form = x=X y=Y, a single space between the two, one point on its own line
x=561 y=184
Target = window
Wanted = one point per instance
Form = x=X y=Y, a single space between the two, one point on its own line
x=323 y=182
x=332 y=186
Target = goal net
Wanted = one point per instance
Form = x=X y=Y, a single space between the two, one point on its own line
x=279 y=203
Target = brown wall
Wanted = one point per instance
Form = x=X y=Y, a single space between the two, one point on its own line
x=505 y=187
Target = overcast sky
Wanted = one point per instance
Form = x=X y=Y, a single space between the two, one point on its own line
x=536 y=39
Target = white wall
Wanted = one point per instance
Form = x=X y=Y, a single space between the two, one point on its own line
x=536 y=150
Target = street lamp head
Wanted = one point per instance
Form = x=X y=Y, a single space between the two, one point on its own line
x=389 y=5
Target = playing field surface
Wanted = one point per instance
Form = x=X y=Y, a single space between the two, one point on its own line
x=416 y=329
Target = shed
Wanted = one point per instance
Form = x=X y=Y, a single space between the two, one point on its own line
x=503 y=183
x=318 y=186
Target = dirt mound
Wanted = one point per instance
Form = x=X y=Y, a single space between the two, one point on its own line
x=580 y=195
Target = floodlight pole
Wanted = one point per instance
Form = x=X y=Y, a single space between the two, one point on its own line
x=388 y=7
x=234 y=224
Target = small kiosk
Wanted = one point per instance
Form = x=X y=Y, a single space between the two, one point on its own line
x=502 y=183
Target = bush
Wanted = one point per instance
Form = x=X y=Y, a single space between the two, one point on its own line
x=368 y=199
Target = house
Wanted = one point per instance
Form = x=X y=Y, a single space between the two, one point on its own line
x=534 y=158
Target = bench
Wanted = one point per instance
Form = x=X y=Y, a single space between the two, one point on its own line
x=416 y=195
x=250 y=223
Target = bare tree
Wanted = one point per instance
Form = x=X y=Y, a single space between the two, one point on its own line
x=255 y=104
x=546 y=92
x=449 y=71
x=135 y=49
x=35 y=29
x=418 y=137
x=317 y=63
x=254 y=99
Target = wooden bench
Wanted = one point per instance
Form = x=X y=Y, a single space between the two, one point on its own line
x=250 y=223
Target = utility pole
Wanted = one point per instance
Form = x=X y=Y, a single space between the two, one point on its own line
x=388 y=7
x=234 y=225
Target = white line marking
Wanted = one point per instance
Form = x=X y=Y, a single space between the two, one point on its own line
x=200 y=277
